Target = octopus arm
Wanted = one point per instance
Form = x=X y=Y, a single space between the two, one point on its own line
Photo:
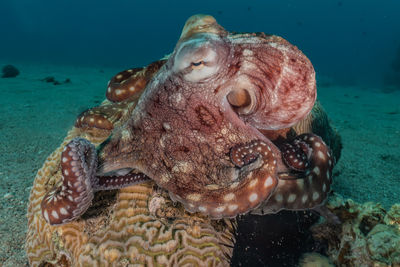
x=308 y=184
x=131 y=83
x=73 y=197
x=257 y=163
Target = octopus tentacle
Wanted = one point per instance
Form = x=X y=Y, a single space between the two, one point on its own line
x=244 y=155
x=294 y=155
x=120 y=181
x=131 y=83
x=257 y=165
x=98 y=122
x=101 y=117
x=94 y=118
x=73 y=197
x=310 y=186
x=124 y=89
x=125 y=84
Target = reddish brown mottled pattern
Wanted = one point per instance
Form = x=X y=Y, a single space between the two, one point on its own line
x=183 y=128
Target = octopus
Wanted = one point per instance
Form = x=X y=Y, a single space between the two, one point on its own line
x=211 y=124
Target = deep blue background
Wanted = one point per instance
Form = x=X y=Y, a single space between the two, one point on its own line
x=347 y=40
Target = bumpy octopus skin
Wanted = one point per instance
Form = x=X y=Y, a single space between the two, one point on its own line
x=131 y=82
x=308 y=181
x=123 y=92
x=73 y=197
x=197 y=128
x=68 y=201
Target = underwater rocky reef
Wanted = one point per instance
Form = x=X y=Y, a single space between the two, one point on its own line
x=368 y=235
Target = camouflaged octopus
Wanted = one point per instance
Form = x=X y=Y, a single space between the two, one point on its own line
x=211 y=124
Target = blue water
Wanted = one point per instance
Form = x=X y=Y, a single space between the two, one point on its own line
x=351 y=41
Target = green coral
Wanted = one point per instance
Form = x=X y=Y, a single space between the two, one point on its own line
x=384 y=242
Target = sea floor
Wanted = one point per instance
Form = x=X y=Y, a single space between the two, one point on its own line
x=36 y=115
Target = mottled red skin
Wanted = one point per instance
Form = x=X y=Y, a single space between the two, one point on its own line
x=309 y=187
x=211 y=156
x=294 y=156
x=95 y=118
x=73 y=197
x=183 y=128
x=69 y=200
x=130 y=83
x=123 y=91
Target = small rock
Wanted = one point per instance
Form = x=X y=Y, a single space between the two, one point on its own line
x=9 y=71
x=49 y=79
x=314 y=260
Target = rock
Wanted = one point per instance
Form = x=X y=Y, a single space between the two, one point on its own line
x=51 y=79
x=384 y=242
x=393 y=216
x=9 y=71
x=274 y=239
x=368 y=235
x=314 y=260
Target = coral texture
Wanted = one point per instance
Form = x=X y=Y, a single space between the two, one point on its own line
x=314 y=260
x=367 y=236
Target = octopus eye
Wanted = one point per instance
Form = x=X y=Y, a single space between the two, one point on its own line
x=201 y=70
x=197 y=65
x=197 y=60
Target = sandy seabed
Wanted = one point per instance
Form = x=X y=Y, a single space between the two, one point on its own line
x=35 y=116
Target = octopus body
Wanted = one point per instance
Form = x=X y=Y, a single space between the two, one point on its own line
x=198 y=124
